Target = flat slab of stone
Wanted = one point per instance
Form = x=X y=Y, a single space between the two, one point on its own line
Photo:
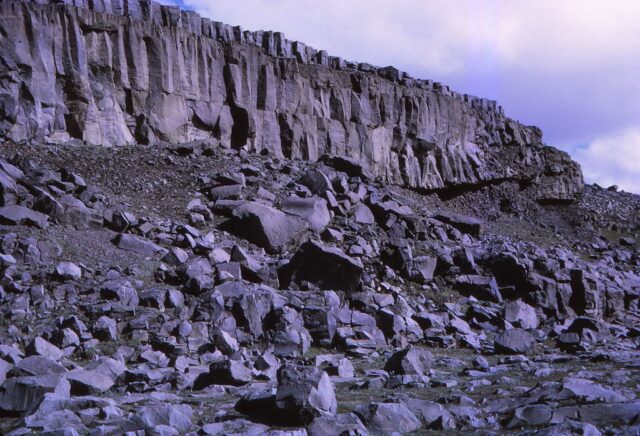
x=19 y=215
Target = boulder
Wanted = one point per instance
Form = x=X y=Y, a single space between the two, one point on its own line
x=325 y=267
x=304 y=393
x=87 y=382
x=387 y=418
x=266 y=227
x=24 y=394
x=520 y=314
x=19 y=215
x=514 y=341
x=480 y=287
x=342 y=424
x=225 y=372
x=410 y=361
x=466 y=224
x=362 y=214
x=68 y=271
x=41 y=347
x=177 y=416
x=316 y=181
x=136 y=245
x=313 y=210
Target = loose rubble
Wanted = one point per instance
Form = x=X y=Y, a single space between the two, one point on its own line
x=205 y=287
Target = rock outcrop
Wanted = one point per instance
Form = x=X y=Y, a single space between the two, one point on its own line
x=117 y=72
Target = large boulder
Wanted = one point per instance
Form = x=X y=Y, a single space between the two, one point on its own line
x=480 y=287
x=326 y=267
x=466 y=224
x=19 y=215
x=24 y=394
x=410 y=361
x=304 y=393
x=514 y=341
x=177 y=416
x=313 y=210
x=388 y=418
x=137 y=245
x=521 y=314
x=343 y=424
x=265 y=226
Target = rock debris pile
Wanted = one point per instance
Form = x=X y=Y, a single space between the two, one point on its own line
x=288 y=244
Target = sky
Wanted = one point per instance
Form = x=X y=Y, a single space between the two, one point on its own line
x=570 y=67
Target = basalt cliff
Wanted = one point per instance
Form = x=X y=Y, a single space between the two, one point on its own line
x=118 y=72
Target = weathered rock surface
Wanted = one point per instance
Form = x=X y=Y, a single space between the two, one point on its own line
x=304 y=393
x=266 y=227
x=112 y=75
x=130 y=305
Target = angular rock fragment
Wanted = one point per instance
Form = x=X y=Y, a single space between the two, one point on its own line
x=87 y=382
x=514 y=341
x=481 y=287
x=137 y=245
x=465 y=224
x=521 y=314
x=303 y=394
x=176 y=416
x=20 y=215
x=68 y=271
x=24 y=394
x=325 y=267
x=411 y=361
x=266 y=227
x=313 y=210
x=387 y=418
x=344 y=423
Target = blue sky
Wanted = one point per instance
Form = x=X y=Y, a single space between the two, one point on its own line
x=570 y=67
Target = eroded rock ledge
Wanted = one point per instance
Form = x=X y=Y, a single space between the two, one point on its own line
x=116 y=72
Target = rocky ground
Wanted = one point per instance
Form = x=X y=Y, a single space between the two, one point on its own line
x=194 y=289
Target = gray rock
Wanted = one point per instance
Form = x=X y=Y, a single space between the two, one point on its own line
x=44 y=348
x=87 y=382
x=411 y=360
x=20 y=215
x=177 y=416
x=121 y=291
x=481 y=287
x=514 y=341
x=387 y=418
x=39 y=365
x=5 y=367
x=317 y=182
x=325 y=267
x=226 y=372
x=105 y=329
x=303 y=394
x=137 y=245
x=266 y=227
x=362 y=214
x=521 y=314
x=68 y=271
x=313 y=210
x=344 y=423
x=236 y=427
x=24 y=394
x=176 y=256
x=465 y=224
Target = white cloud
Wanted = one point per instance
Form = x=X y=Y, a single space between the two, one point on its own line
x=568 y=66
x=613 y=159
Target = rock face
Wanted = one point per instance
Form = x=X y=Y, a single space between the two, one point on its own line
x=115 y=73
